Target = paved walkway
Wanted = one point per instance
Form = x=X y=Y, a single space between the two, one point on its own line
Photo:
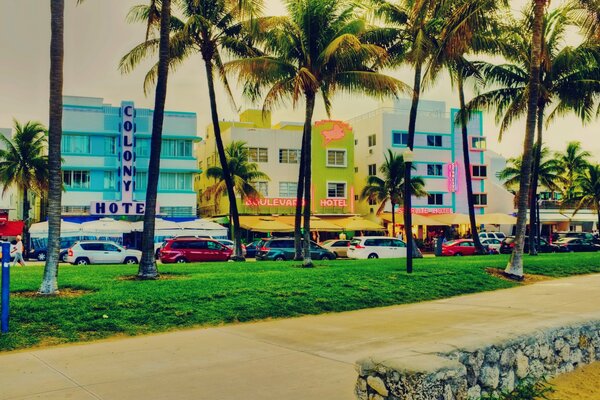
x=295 y=359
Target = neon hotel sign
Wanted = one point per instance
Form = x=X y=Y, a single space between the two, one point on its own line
x=126 y=206
x=291 y=202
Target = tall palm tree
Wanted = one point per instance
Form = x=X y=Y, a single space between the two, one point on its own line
x=147 y=268
x=390 y=188
x=574 y=162
x=589 y=186
x=207 y=28
x=550 y=173
x=245 y=175
x=471 y=28
x=49 y=284
x=23 y=164
x=316 y=49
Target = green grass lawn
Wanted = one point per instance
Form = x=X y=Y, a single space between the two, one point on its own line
x=212 y=294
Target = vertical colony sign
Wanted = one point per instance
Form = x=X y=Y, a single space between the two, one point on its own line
x=126 y=206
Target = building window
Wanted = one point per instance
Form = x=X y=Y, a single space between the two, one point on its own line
x=400 y=139
x=141 y=181
x=262 y=188
x=479 y=171
x=336 y=158
x=258 y=154
x=336 y=190
x=478 y=143
x=109 y=180
x=176 y=148
x=75 y=144
x=76 y=179
x=372 y=140
x=110 y=145
x=434 y=170
x=435 y=199
x=288 y=189
x=372 y=169
x=142 y=147
x=175 y=181
x=372 y=202
x=434 y=140
x=480 y=199
x=289 y=156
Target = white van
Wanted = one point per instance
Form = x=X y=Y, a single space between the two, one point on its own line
x=492 y=235
x=362 y=247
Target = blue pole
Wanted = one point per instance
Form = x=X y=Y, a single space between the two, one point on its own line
x=5 y=286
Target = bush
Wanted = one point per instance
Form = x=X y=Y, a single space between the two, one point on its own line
x=528 y=389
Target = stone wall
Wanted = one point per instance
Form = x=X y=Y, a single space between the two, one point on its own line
x=469 y=373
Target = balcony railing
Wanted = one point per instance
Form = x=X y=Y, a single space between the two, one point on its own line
x=560 y=204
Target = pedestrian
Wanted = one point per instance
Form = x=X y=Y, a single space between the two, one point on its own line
x=17 y=252
x=342 y=236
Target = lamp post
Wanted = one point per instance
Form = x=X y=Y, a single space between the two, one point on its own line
x=408 y=157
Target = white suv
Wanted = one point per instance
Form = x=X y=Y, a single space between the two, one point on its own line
x=101 y=252
x=492 y=235
x=376 y=247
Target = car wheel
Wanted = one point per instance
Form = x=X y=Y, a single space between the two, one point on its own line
x=41 y=256
x=82 y=261
x=373 y=255
x=279 y=258
x=326 y=257
x=131 y=260
x=63 y=257
x=458 y=255
x=181 y=260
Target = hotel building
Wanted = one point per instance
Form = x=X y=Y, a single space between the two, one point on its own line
x=106 y=152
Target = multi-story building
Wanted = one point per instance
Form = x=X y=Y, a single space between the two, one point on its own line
x=276 y=150
x=106 y=153
x=438 y=156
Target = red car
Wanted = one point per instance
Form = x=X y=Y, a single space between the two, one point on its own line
x=193 y=250
x=461 y=247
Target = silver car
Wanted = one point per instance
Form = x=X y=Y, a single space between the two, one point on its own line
x=101 y=252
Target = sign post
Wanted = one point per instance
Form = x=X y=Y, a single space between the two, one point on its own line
x=5 y=286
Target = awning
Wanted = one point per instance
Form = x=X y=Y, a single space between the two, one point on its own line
x=159 y=224
x=453 y=219
x=356 y=224
x=316 y=223
x=417 y=219
x=496 y=219
x=11 y=228
x=264 y=224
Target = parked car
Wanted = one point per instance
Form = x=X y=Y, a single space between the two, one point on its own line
x=252 y=248
x=42 y=254
x=509 y=243
x=339 y=247
x=460 y=247
x=282 y=249
x=101 y=252
x=376 y=247
x=193 y=250
x=577 y=245
x=492 y=244
x=587 y=236
x=492 y=235
x=229 y=244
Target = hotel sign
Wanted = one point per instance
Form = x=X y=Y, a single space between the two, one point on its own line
x=272 y=202
x=127 y=206
x=453 y=177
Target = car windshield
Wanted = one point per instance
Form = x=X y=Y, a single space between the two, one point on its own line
x=451 y=243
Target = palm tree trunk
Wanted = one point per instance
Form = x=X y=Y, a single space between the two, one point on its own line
x=148 y=268
x=515 y=265
x=26 y=207
x=533 y=219
x=207 y=55
x=412 y=122
x=57 y=18
x=310 y=108
x=299 y=197
x=393 y=219
x=467 y=161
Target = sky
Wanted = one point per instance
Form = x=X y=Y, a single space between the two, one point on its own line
x=97 y=35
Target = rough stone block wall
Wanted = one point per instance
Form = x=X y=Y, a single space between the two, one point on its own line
x=467 y=374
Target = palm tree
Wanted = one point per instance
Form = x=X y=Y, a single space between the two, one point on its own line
x=574 y=162
x=24 y=165
x=245 y=175
x=550 y=173
x=589 y=185
x=147 y=268
x=207 y=28
x=317 y=49
x=390 y=188
x=49 y=284
x=471 y=28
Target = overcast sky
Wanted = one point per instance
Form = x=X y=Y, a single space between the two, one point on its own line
x=97 y=35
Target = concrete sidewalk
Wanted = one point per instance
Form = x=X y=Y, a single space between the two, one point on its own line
x=294 y=359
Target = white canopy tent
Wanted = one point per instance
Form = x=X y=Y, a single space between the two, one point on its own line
x=203 y=227
x=66 y=229
x=159 y=225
